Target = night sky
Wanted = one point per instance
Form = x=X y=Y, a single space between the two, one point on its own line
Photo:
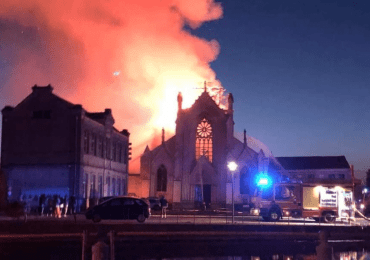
x=300 y=74
x=298 y=70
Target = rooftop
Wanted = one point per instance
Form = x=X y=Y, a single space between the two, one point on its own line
x=313 y=162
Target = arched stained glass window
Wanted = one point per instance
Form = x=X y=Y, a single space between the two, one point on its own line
x=203 y=143
x=162 y=178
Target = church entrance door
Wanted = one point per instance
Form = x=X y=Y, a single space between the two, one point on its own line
x=207 y=194
x=202 y=195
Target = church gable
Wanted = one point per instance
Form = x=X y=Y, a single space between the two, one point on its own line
x=162 y=155
x=203 y=172
x=167 y=149
x=240 y=151
x=205 y=106
x=203 y=129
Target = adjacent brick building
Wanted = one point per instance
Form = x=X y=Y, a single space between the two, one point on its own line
x=51 y=146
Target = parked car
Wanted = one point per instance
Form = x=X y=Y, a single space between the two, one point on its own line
x=155 y=203
x=102 y=199
x=121 y=207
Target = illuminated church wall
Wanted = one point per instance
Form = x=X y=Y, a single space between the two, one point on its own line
x=195 y=158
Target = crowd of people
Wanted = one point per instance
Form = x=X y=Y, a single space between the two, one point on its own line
x=52 y=205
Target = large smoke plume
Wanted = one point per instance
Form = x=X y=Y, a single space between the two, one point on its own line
x=133 y=56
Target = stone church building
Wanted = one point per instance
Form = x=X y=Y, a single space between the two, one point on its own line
x=191 y=167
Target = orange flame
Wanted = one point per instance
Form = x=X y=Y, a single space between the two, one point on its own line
x=133 y=56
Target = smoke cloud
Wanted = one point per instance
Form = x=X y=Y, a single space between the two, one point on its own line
x=133 y=56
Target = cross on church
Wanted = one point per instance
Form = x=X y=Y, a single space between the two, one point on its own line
x=215 y=92
x=205 y=85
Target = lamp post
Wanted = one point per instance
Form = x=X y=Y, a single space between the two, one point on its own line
x=232 y=167
x=364 y=191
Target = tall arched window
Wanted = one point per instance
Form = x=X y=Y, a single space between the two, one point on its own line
x=162 y=178
x=203 y=143
x=245 y=181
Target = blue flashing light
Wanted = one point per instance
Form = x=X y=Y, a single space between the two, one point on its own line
x=263 y=180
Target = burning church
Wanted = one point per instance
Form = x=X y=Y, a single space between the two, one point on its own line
x=190 y=168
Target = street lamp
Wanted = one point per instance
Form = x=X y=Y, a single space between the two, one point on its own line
x=364 y=191
x=232 y=167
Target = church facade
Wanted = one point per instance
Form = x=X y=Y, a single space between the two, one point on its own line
x=190 y=169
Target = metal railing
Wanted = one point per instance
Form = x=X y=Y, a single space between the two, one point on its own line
x=240 y=218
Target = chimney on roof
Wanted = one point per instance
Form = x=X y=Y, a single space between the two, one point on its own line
x=162 y=135
x=245 y=138
x=125 y=132
x=7 y=109
x=179 y=102
x=77 y=106
x=230 y=100
x=108 y=111
x=48 y=88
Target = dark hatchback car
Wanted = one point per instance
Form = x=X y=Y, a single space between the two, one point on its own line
x=120 y=208
x=102 y=199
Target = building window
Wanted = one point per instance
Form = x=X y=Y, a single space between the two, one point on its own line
x=114 y=187
x=93 y=144
x=162 y=178
x=119 y=187
x=125 y=154
x=46 y=114
x=311 y=176
x=100 y=147
x=341 y=176
x=203 y=143
x=86 y=141
x=245 y=180
x=331 y=176
x=108 y=186
x=100 y=187
x=119 y=156
x=108 y=148
x=37 y=114
x=114 y=148
x=92 y=186
x=124 y=187
x=85 y=185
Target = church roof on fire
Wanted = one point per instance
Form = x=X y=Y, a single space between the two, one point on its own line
x=205 y=102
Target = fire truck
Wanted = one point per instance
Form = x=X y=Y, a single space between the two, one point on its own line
x=320 y=201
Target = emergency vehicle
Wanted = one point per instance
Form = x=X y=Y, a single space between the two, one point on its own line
x=320 y=201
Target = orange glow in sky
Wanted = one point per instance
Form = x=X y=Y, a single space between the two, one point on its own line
x=132 y=56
